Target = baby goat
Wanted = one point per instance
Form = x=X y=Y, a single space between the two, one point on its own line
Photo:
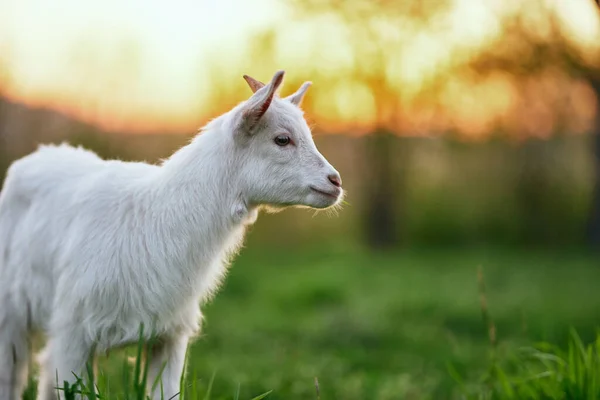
x=92 y=249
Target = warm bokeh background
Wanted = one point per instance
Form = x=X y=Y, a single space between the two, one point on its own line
x=467 y=133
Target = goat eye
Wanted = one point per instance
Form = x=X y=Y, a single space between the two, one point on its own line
x=282 y=140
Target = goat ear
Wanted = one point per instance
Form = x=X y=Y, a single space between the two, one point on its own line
x=259 y=103
x=297 y=97
x=253 y=83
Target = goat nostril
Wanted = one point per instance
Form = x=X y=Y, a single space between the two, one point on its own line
x=335 y=179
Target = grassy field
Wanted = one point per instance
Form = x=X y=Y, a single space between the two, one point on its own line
x=380 y=326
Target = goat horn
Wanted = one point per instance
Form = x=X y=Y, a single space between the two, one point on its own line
x=253 y=83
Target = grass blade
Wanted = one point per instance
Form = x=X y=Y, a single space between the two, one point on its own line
x=262 y=396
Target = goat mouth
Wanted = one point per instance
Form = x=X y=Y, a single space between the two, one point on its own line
x=333 y=195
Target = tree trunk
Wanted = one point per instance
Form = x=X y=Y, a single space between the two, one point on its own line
x=384 y=185
x=532 y=193
x=593 y=228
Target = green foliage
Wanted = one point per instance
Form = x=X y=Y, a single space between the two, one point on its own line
x=543 y=371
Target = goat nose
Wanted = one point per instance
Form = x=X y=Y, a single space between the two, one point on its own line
x=335 y=179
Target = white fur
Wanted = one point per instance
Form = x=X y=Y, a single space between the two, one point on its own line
x=90 y=249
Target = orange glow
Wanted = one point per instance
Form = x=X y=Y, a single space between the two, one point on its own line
x=168 y=66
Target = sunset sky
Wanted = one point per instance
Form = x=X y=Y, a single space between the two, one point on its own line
x=159 y=65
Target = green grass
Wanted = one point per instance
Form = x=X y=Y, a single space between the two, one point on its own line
x=401 y=325
x=542 y=371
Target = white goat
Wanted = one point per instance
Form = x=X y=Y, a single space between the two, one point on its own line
x=91 y=249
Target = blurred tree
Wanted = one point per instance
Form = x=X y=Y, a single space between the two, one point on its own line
x=376 y=43
x=593 y=229
x=542 y=51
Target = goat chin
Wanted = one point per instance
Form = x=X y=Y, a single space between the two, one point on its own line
x=93 y=250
